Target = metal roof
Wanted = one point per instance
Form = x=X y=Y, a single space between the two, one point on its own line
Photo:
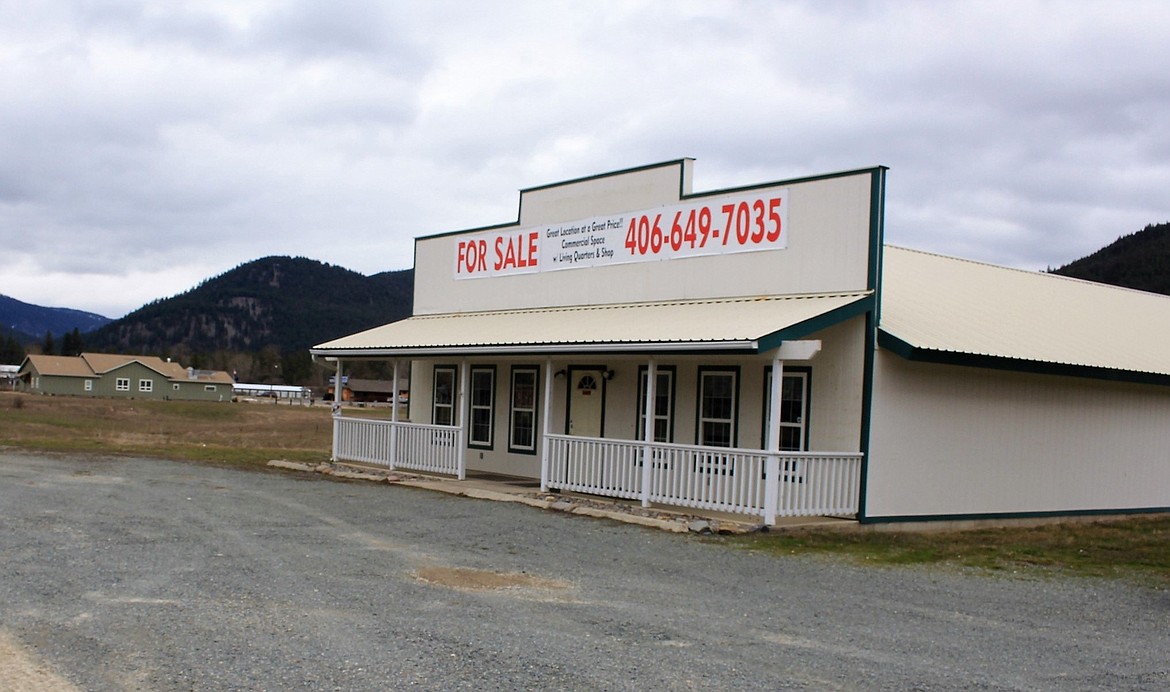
x=729 y=324
x=950 y=305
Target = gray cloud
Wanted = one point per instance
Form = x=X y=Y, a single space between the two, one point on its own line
x=148 y=146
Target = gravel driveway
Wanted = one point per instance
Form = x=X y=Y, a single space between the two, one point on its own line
x=143 y=574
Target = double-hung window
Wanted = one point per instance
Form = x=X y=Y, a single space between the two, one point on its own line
x=522 y=413
x=718 y=396
x=145 y=385
x=483 y=394
x=443 y=408
x=122 y=384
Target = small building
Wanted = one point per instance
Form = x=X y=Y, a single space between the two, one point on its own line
x=280 y=392
x=9 y=377
x=122 y=376
x=760 y=350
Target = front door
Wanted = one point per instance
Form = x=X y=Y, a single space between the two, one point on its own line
x=586 y=402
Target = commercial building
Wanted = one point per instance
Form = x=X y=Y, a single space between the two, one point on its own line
x=760 y=350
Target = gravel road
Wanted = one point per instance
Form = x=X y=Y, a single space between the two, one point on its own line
x=142 y=574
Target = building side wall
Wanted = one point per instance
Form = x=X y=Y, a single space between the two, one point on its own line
x=949 y=441
x=827 y=251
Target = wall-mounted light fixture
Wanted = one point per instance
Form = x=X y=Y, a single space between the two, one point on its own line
x=607 y=374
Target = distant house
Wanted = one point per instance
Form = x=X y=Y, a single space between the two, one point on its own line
x=9 y=376
x=367 y=391
x=122 y=376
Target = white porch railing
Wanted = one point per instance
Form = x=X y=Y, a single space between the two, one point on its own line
x=713 y=478
x=399 y=445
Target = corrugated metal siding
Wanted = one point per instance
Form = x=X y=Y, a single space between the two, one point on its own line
x=949 y=440
x=712 y=321
x=946 y=304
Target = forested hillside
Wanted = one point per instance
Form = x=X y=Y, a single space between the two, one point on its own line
x=272 y=309
x=1139 y=260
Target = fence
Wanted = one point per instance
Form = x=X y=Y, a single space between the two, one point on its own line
x=399 y=445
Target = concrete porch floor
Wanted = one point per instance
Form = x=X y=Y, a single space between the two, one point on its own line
x=526 y=491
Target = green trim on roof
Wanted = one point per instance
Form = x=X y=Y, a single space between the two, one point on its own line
x=815 y=324
x=914 y=353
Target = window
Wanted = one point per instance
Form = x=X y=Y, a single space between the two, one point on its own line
x=443 y=410
x=146 y=385
x=122 y=384
x=793 y=409
x=522 y=415
x=483 y=393
x=175 y=386
x=89 y=385
x=718 y=392
x=206 y=387
x=663 y=403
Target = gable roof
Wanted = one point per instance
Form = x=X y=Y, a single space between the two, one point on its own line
x=58 y=366
x=943 y=309
x=98 y=364
x=753 y=323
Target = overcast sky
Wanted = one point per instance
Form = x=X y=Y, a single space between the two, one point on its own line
x=147 y=146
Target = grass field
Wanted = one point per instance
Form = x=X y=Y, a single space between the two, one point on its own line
x=248 y=435
x=236 y=434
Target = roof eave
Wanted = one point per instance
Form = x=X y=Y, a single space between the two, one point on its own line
x=911 y=352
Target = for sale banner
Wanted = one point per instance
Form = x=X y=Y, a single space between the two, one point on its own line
x=748 y=222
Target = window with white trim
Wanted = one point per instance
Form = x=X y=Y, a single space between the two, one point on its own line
x=443 y=407
x=718 y=410
x=522 y=412
x=663 y=403
x=146 y=385
x=122 y=384
x=482 y=405
x=208 y=388
x=89 y=385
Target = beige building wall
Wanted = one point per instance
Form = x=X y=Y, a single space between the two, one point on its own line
x=828 y=249
x=949 y=440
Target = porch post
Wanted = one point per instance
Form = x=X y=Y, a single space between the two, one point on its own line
x=461 y=401
x=772 y=487
x=648 y=431
x=394 y=418
x=546 y=417
x=337 y=385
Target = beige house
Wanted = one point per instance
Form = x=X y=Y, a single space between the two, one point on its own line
x=122 y=376
x=760 y=350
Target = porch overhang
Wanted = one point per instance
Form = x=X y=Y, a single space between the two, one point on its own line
x=746 y=325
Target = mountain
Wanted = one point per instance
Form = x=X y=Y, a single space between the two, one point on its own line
x=1139 y=260
x=286 y=303
x=28 y=323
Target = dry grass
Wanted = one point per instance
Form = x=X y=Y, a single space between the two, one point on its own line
x=1136 y=549
x=228 y=433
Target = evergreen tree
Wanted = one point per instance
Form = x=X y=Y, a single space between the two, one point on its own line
x=71 y=344
x=49 y=347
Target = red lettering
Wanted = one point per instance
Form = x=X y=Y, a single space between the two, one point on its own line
x=471 y=256
x=532 y=259
x=499 y=263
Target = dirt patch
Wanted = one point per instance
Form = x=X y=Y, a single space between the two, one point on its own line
x=468 y=579
x=20 y=672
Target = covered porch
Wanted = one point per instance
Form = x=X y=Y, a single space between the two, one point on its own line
x=569 y=422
